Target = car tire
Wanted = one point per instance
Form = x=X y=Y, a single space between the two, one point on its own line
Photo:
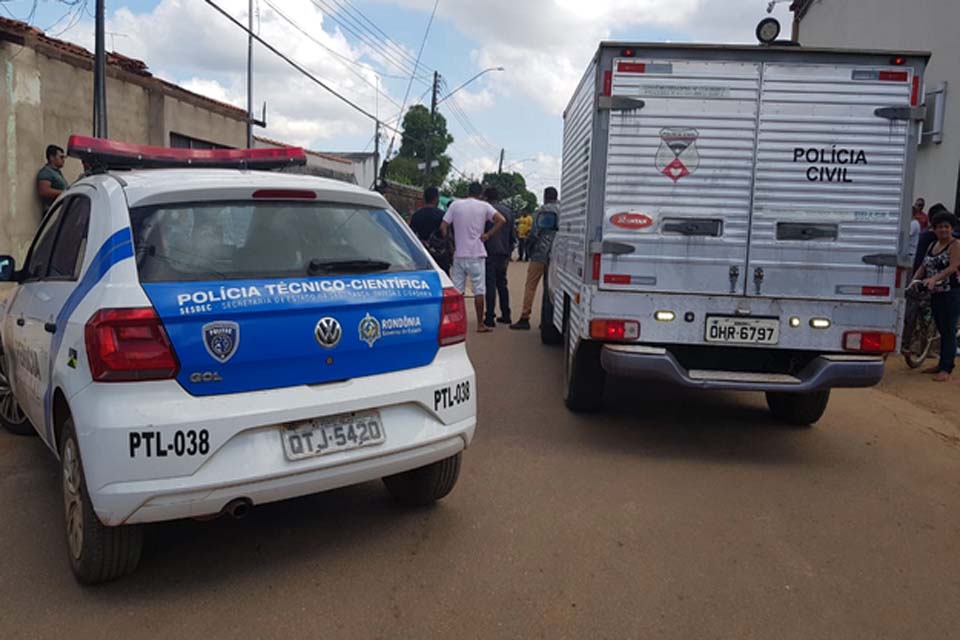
x=12 y=416
x=583 y=375
x=798 y=409
x=548 y=332
x=425 y=485
x=97 y=553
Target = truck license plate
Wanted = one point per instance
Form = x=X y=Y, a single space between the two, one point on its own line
x=743 y=330
x=323 y=436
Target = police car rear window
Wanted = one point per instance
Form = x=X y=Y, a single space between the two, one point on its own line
x=248 y=240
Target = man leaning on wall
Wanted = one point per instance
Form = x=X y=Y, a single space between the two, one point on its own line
x=50 y=180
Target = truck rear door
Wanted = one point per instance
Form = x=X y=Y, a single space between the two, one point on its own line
x=679 y=175
x=828 y=196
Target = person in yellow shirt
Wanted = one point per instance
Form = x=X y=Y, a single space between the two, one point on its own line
x=524 y=222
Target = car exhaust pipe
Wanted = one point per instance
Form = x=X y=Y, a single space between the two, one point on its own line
x=238 y=508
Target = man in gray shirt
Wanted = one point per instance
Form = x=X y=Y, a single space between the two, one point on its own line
x=50 y=181
x=499 y=249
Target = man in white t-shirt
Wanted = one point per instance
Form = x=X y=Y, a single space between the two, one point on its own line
x=468 y=217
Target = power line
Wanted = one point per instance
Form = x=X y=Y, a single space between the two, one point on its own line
x=378 y=33
x=344 y=60
x=294 y=64
x=364 y=38
x=406 y=97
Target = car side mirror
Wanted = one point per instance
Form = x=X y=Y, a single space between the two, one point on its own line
x=547 y=221
x=8 y=269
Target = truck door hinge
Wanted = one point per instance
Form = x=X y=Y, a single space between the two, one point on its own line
x=901 y=113
x=758 y=278
x=734 y=278
x=620 y=103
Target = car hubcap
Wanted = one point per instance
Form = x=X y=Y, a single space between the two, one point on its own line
x=9 y=409
x=71 y=498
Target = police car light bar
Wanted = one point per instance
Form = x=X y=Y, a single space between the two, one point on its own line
x=106 y=154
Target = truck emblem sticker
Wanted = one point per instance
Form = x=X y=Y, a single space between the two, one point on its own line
x=677 y=156
x=328 y=332
x=221 y=339
x=369 y=330
x=631 y=220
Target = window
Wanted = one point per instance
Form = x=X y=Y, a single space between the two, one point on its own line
x=238 y=240
x=67 y=256
x=180 y=141
x=39 y=257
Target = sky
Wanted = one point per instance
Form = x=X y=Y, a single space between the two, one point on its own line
x=367 y=49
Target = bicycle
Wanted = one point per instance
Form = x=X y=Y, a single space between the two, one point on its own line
x=920 y=335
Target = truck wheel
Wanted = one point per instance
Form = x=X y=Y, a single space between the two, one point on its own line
x=798 y=409
x=12 y=416
x=583 y=375
x=97 y=553
x=548 y=332
x=425 y=485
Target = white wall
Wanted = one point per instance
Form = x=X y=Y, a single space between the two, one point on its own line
x=917 y=25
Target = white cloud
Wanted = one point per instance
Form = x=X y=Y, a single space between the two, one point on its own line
x=546 y=45
x=180 y=37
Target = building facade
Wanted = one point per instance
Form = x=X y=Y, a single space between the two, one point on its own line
x=921 y=25
x=47 y=95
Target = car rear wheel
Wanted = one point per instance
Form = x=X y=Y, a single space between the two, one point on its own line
x=97 y=553
x=12 y=416
x=425 y=485
x=798 y=409
x=583 y=375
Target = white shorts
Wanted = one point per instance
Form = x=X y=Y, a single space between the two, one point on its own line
x=475 y=269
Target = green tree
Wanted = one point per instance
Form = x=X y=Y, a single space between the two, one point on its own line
x=423 y=135
x=458 y=188
x=512 y=188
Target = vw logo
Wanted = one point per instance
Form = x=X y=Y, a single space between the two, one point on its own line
x=328 y=333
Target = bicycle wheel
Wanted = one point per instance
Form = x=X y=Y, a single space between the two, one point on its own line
x=921 y=343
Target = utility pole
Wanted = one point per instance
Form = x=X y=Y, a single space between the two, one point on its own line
x=500 y=168
x=250 y=76
x=100 y=75
x=433 y=113
x=376 y=154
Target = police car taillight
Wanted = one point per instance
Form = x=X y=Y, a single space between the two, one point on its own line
x=108 y=154
x=453 y=318
x=129 y=344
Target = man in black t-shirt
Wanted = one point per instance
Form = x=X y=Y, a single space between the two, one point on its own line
x=425 y=222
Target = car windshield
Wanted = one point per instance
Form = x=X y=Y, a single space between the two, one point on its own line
x=250 y=240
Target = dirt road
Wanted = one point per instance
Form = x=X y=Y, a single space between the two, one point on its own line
x=674 y=514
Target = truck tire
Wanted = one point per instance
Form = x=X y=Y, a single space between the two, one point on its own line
x=583 y=375
x=548 y=332
x=425 y=485
x=97 y=553
x=798 y=409
x=12 y=416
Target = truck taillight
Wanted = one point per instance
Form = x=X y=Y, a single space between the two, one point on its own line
x=124 y=345
x=870 y=341
x=453 y=318
x=595 y=273
x=618 y=330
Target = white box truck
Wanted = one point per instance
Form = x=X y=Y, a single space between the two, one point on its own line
x=734 y=217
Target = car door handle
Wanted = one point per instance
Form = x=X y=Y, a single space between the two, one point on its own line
x=21 y=322
x=50 y=327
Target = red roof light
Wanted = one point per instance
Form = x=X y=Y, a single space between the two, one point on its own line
x=107 y=154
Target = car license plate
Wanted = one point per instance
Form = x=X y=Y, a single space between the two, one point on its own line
x=332 y=434
x=743 y=330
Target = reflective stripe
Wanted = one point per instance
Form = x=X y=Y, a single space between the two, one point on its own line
x=117 y=248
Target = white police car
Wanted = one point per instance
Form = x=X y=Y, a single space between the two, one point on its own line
x=196 y=341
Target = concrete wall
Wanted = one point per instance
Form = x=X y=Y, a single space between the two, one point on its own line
x=44 y=99
x=927 y=25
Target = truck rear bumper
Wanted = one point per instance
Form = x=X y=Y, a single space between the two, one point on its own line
x=824 y=372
